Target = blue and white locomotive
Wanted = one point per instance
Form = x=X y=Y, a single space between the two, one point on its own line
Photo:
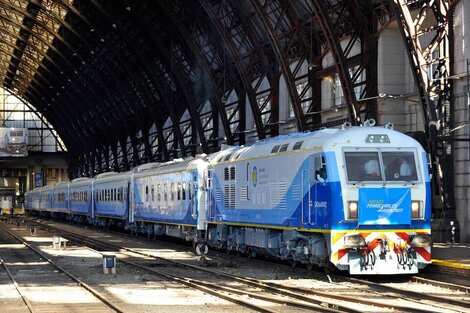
x=356 y=198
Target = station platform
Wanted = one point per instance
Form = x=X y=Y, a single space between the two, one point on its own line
x=451 y=258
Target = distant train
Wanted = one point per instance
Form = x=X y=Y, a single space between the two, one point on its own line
x=355 y=198
x=7 y=198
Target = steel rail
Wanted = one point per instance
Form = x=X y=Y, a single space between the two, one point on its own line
x=17 y=287
x=79 y=282
x=442 y=284
x=260 y=284
x=415 y=295
x=315 y=305
x=209 y=288
x=292 y=292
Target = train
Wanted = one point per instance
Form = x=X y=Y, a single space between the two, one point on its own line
x=7 y=199
x=355 y=199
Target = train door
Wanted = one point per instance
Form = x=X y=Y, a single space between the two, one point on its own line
x=308 y=175
x=208 y=190
x=316 y=192
x=92 y=201
x=192 y=188
x=130 y=200
x=320 y=192
x=68 y=207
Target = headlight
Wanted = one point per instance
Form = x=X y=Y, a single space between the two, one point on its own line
x=421 y=241
x=354 y=241
x=416 y=209
x=352 y=210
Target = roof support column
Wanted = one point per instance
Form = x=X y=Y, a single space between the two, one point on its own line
x=340 y=60
x=431 y=69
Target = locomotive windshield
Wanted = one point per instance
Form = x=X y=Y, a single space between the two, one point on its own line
x=380 y=166
x=399 y=166
x=363 y=166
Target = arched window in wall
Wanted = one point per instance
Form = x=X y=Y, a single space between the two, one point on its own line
x=15 y=113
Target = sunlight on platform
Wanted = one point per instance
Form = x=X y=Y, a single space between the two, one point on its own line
x=159 y=252
x=37 y=239
x=8 y=291
x=27 y=263
x=70 y=252
x=162 y=296
x=12 y=246
x=60 y=294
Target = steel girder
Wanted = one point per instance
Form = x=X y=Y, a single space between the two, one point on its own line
x=173 y=60
x=430 y=60
x=222 y=18
x=158 y=79
x=188 y=32
x=277 y=30
x=28 y=22
x=117 y=80
x=88 y=48
x=134 y=77
x=15 y=59
x=346 y=17
x=140 y=94
x=98 y=46
x=30 y=35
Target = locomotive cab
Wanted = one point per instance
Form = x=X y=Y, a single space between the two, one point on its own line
x=384 y=226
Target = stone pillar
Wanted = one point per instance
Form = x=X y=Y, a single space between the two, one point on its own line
x=461 y=96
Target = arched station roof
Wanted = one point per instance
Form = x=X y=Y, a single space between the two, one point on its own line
x=126 y=82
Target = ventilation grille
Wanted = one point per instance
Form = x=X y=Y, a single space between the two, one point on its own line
x=296 y=192
x=243 y=193
x=282 y=194
x=273 y=194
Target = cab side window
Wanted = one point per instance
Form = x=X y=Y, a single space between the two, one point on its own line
x=320 y=168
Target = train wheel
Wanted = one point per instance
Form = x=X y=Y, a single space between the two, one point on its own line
x=309 y=267
x=251 y=254
x=292 y=262
x=328 y=267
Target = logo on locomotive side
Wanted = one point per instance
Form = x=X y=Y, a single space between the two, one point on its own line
x=254 y=176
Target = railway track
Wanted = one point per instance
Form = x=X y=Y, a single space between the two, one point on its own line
x=430 y=298
x=197 y=278
x=323 y=300
x=440 y=283
x=31 y=276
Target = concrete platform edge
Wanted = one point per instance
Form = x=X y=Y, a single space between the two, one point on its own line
x=451 y=264
x=446 y=267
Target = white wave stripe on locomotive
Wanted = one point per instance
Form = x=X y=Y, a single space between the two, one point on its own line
x=351 y=198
